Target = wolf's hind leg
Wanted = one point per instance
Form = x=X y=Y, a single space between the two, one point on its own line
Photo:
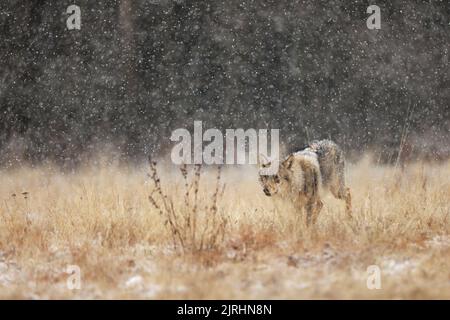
x=348 y=201
x=316 y=210
x=342 y=192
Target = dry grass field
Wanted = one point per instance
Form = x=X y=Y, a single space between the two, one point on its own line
x=204 y=236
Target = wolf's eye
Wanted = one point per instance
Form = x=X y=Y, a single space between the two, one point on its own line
x=276 y=179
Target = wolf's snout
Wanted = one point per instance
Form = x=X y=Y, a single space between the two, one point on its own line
x=266 y=191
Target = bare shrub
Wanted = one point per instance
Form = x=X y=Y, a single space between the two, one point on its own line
x=194 y=224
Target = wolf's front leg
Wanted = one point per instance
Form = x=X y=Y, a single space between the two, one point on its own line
x=313 y=207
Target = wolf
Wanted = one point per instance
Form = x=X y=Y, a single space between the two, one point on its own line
x=303 y=174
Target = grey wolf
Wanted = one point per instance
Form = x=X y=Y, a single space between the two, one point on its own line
x=301 y=176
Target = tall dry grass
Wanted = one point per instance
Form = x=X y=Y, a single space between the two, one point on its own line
x=193 y=240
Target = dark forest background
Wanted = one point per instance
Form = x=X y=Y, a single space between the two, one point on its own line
x=139 y=69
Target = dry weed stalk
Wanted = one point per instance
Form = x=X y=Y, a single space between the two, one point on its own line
x=194 y=226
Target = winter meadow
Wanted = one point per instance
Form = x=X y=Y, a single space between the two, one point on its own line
x=133 y=133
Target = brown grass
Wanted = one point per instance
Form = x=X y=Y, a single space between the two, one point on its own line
x=194 y=240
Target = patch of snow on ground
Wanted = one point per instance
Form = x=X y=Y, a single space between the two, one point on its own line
x=392 y=266
x=134 y=281
x=439 y=241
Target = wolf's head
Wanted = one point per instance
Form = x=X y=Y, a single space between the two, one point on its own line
x=275 y=183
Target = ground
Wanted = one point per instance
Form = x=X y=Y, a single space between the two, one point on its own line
x=233 y=242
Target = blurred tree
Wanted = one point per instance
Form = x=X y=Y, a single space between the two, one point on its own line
x=139 y=69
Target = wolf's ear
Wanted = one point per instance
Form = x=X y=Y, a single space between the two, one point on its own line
x=262 y=159
x=288 y=162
